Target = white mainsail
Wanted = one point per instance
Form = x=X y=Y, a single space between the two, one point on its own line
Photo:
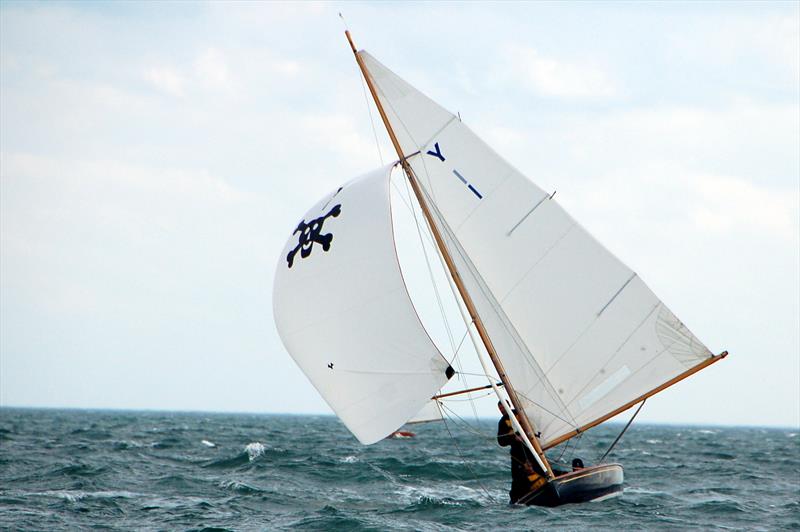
x=343 y=312
x=578 y=332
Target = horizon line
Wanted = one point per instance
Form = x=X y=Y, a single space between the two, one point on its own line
x=330 y=414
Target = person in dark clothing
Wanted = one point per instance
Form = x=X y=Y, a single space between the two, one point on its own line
x=522 y=469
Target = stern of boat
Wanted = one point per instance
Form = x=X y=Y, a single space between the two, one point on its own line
x=592 y=483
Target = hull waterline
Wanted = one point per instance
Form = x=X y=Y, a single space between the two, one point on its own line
x=584 y=485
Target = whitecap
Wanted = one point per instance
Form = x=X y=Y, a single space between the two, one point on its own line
x=643 y=491
x=126 y=443
x=349 y=459
x=77 y=495
x=791 y=435
x=208 y=443
x=254 y=450
x=654 y=441
x=448 y=495
x=706 y=431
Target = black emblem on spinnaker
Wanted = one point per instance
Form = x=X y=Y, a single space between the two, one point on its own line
x=310 y=233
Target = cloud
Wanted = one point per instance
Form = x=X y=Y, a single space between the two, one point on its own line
x=549 y=76
x=165 y=79
x=732 y=205
x=212 y=70
x=768 y=39
x=64 y=219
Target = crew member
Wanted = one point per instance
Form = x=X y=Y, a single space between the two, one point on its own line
x=523 y=473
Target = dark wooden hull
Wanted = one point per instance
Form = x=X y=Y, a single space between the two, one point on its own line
x=587 y=484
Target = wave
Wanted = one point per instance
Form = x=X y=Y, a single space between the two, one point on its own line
x=251 y=453
x=167 y=443
x=78 y=495
x=122 y=445
x=239 y=487
x=717 y=506
x=79 y=470
x=255 y=449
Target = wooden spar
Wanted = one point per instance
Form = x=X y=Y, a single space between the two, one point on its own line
x=460 y=392
x=484 y=335
x=691 y=371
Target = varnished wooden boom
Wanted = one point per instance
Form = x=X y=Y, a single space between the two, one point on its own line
x=461 y=392
x=691 y=371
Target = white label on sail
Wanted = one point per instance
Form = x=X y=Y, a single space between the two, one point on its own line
x=603 y=388
x=562 y=312
x=343 y=312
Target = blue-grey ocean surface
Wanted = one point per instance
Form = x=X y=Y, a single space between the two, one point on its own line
x=70 y=469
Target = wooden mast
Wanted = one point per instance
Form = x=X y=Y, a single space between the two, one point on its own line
x=484 y=335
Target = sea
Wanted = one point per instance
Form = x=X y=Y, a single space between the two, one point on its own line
x=112 y=470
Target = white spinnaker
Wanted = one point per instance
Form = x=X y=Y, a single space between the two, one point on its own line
x=346 y=318
x=578 y=332
x=430 y=412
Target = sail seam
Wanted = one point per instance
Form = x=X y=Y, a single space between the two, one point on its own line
x=616 y=294
x=527 y=214
x=505 y=322
x=573 y=423
x=535 y=264
x=634 y=373
x=586 y=329
x=439 y=132
x=619 y=349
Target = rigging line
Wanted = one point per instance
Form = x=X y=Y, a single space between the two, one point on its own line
x=589 y=326
x=451 y=282
x=475 y=374
x=572 y=424
x=432 y=278
x=573 y=442
x=484 y=436
x=448 y=328
x=463 y=459
x=586 y=329
x=369 y=108
x=405 y=127
x=470 y=398
x=619 y=349
x=621 y=433
x=458 y=348
x=388 y=103
x=535 y=264
x=467 y=323
x=466 y=425
x=505 y=321
x=407 y=205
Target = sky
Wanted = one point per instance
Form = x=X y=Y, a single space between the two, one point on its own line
x=154 y=157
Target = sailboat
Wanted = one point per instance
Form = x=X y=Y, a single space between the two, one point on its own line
x=573 y=335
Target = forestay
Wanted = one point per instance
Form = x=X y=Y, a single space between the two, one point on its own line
x=578 y=332
x=343 y=312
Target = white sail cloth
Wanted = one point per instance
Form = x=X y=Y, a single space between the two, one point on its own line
x=343 y=312
x=430 y=412
x=578 y=332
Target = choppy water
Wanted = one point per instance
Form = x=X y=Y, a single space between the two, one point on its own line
x=131 y=470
